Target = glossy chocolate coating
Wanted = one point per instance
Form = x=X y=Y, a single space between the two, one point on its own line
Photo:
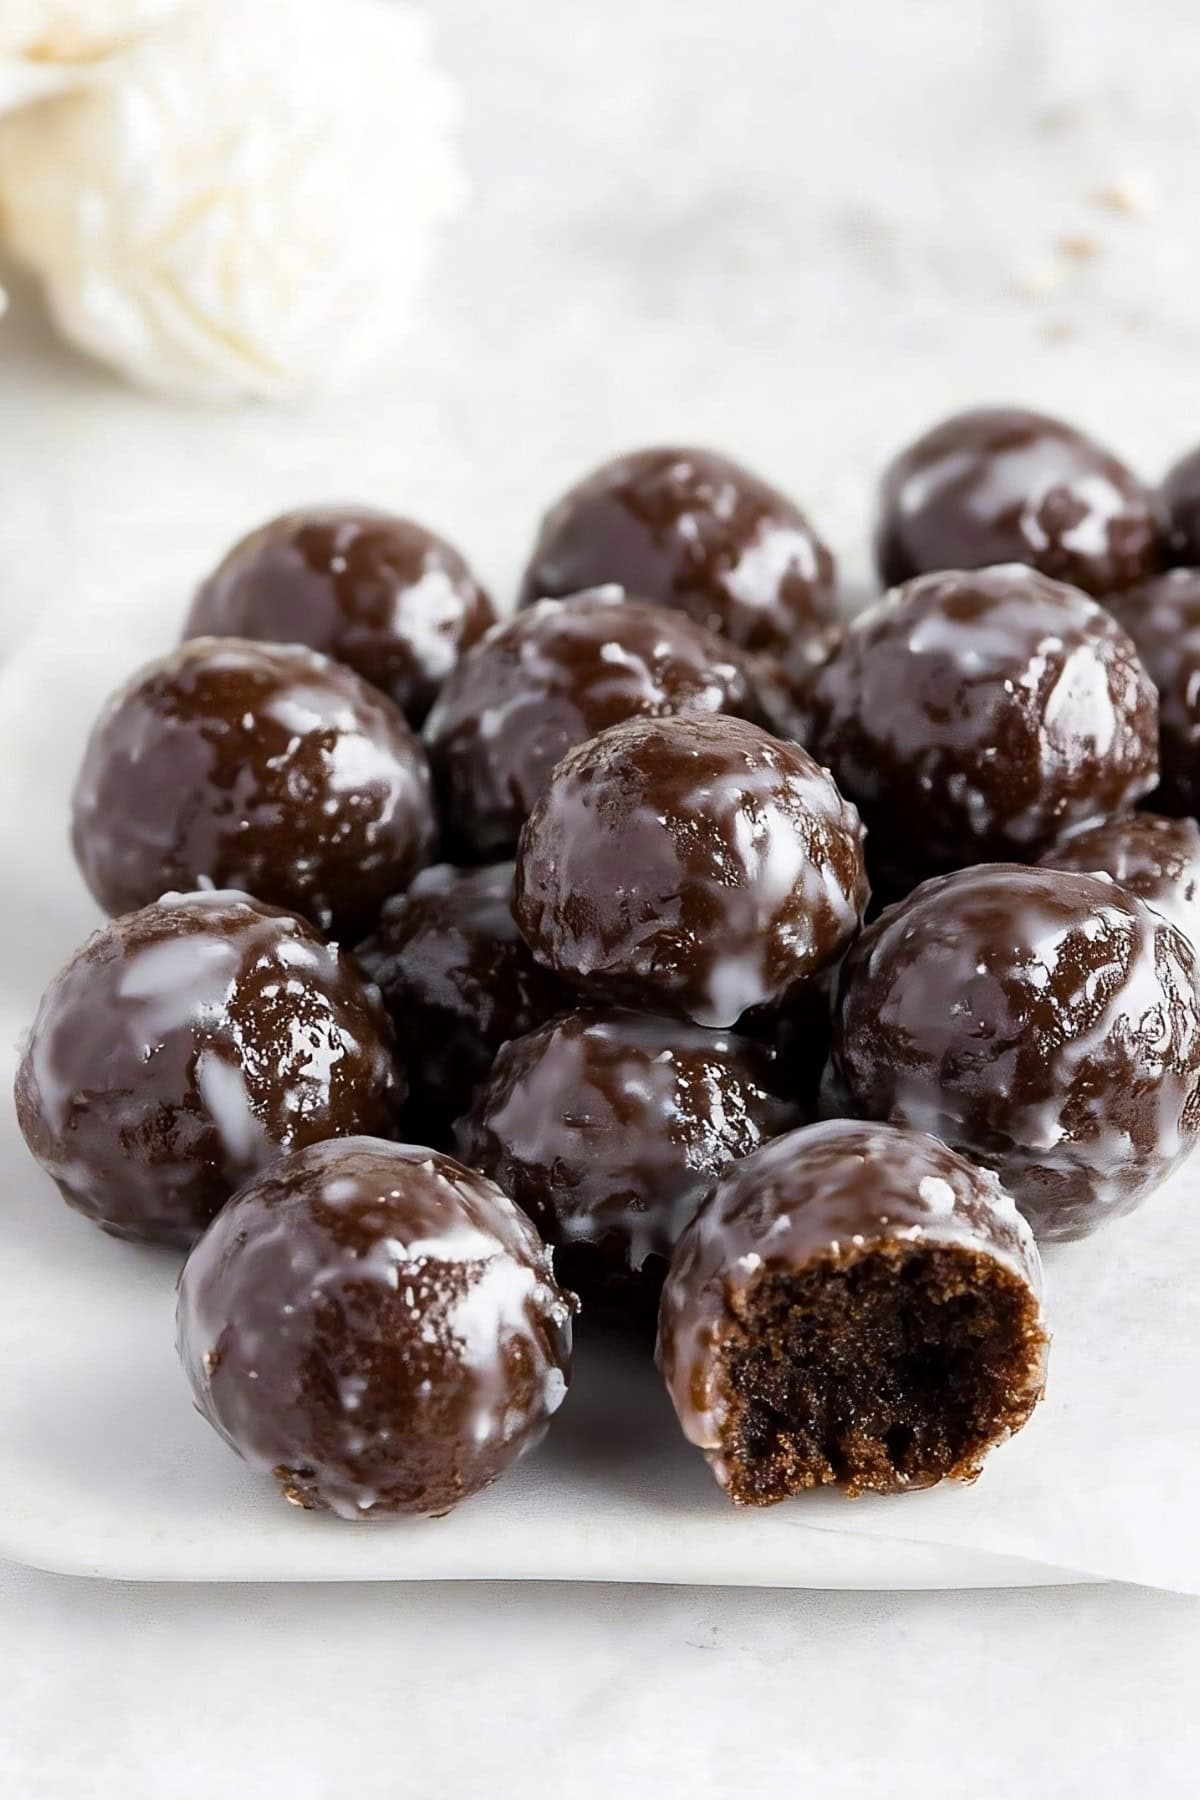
x=797 y=1033
x=977 y=716
x=458 y=980
x=783 y=697
x=381 y=593
x=606 y=1127
x=552 y=676
x=1181 y=496
x=258 y=766
x=696 y=531
x=186 y=1045
x=1001 y=485
x=693 y=864
x=377 y=1327
x=1043 y=1022
x=1163 y=619
x=1155 y=858
x=825 y=1196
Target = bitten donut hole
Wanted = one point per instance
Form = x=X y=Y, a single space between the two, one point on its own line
x=888 y=1370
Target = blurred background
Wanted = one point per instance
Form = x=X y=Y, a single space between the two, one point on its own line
x=793 y=230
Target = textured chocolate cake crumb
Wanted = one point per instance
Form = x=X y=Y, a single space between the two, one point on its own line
x=891 y=1369
x=853 y=1305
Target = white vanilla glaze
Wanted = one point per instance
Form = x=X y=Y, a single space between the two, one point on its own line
x=226 y=1097
x=732 y=865
x=991 y=484
x=1044 y=1024
x=428 y=617
x=348 y=754
x=1011 y=703
x=1163 y=619
x=454 y=1251
x=1155 y=857
x=205 y=1020
x=607 y=1126
x=553 y=675
x=704 y=534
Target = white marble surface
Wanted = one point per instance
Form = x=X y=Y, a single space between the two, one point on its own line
x=515 y=1693
x=799 y=231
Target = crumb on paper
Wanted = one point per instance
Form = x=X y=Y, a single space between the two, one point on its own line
x=1079 y=246
x=1037 y=280
x=1059 y=331
x=1131 y=194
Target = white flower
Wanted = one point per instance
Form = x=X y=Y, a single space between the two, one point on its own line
x=46 y=45
x=243 y=202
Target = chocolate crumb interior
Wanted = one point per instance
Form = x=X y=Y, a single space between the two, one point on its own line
x=885 y=1370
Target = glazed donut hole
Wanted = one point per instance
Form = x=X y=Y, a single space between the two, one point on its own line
x=670 y=950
